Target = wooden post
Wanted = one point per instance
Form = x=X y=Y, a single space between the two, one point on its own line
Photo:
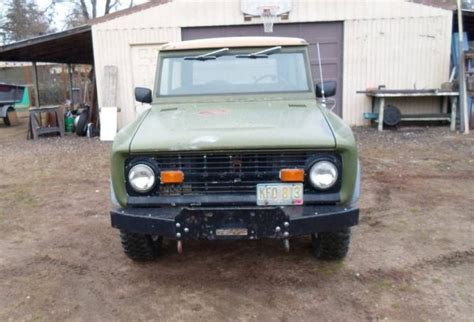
x=109 y=97
x=69 y=71
x=36 y=84
x=381 y=108
x=64 y=86
x=454 y=103
x=462 y=75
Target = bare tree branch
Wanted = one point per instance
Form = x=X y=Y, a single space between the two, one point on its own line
x=85 y=12
x=94 y=8
x=109 y=5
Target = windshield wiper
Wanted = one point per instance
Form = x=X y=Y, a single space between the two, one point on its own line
x=209 y=56
x=261 y=54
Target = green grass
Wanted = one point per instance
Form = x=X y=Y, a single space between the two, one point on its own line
x=25 y=199
x=396 y=306
x=330 y=269
x=437 y=281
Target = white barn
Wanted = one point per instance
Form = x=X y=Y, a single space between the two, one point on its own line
x=365 y=43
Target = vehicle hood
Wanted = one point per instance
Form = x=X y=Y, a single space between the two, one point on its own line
x=233 y=125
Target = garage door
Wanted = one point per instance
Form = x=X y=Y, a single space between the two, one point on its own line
x=329 y=35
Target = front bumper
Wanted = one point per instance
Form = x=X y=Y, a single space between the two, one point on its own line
x=234 y=222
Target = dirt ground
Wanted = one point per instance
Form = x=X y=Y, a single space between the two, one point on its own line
x=412 y=256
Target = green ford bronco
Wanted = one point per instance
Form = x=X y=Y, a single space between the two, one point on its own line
x=238 y=144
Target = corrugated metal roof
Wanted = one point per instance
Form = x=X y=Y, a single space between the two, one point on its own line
x=71 y=46
x=443 y=4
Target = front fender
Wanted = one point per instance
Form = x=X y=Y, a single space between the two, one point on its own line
x=346 y=146
x=120 y=151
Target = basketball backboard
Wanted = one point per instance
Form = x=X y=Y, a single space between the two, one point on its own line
x=254 y=7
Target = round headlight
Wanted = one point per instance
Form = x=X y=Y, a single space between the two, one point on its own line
x=141 y=177
x=323 y=175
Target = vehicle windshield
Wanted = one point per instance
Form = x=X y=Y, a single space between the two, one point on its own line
x=231 y=74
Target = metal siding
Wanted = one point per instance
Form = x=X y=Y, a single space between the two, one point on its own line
x=188 y=13
x=144 y=59
x=113 y=47
x=383 y=43
x=329 y=34
x=420 y=59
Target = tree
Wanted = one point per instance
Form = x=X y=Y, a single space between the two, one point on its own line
x=75 y=18
x=23 y=19
x=3 y=20
x=84 y=10
x=89 y=8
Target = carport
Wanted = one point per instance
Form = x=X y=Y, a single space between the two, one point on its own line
x=69 y=47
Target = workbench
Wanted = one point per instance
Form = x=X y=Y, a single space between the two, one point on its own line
x=379 y=95
x=36 y=127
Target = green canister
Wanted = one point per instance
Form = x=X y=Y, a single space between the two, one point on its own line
x=69 y=124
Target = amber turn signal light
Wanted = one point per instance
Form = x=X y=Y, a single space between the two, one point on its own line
x=292 y=175
x=172 y=176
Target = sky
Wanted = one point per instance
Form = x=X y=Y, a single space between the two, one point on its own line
x=62 y=9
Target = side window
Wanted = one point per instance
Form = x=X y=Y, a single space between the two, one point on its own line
x=171 y=72
x=165 y=77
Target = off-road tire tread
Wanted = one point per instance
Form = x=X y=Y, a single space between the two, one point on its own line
x=332 y=245
x=81 y=128
x=139 y=247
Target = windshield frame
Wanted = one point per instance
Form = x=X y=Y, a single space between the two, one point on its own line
x=233 y=52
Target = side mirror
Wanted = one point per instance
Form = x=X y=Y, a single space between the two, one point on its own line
x=143 y=95
x=329 y=89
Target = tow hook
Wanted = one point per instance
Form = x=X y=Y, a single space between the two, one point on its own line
x=179 y=242
x=286 y=244
x=286 y=235
x=179 y=246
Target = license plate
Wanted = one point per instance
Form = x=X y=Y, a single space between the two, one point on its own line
x=232 y=232
x=279 y=194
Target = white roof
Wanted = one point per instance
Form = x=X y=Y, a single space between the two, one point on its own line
x=234 y=42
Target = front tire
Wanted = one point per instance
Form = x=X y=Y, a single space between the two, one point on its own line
x=139 y=247
x=331 y=245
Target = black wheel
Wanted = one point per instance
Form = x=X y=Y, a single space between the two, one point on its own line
x=81 y=127
x=331 y=245
x=140 y=247
x=391 y=116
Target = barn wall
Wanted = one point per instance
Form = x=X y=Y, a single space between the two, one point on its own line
x=399 y=53
x=391 y=42
x=188 y=13
x=113 y=47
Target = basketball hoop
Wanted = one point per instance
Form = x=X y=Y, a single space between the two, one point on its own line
x=269 y=16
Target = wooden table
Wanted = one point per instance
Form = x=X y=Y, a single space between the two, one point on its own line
x=379 y=95
x=36 y=127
